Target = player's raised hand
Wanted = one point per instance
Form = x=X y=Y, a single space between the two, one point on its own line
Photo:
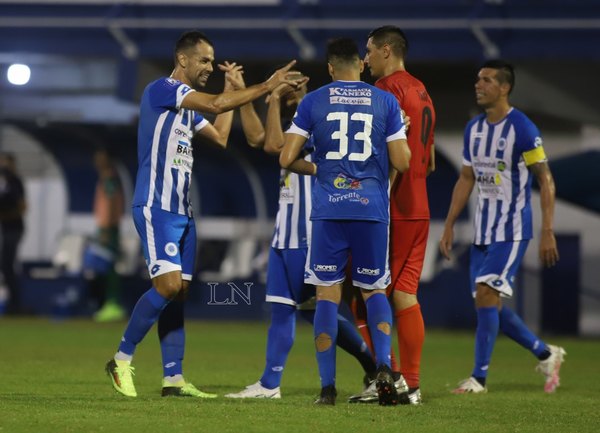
x=233 y=75
x=285 y=76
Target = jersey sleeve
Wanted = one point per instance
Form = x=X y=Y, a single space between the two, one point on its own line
x=301 y=123
x=466 y=150
x=199 y=122
x=530 y=144
x=169 y=93
x=396 y=129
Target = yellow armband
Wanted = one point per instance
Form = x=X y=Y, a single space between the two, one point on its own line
x=534 y=155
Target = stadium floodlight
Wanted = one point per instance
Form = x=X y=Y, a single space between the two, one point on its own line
x=18 y=74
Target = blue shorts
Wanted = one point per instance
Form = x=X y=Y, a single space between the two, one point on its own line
x=496 y=265
x=168 y=241
x=285 y=277
x=333 y=241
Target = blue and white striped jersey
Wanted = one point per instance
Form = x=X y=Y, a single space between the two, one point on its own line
x=293 y=225
x=165 y=157
x=499 y=154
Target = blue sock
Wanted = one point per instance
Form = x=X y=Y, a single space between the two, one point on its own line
x=326 y=323
x=379 y=311
x=349 y=340
x=485 y=339
x=171 y=334
x=279 y=343
x=144 y=315
x=513 y=327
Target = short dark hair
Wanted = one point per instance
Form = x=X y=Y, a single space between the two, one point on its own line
x=506 y=72
x=189 y=40
x=342 y=51
x=393 y=36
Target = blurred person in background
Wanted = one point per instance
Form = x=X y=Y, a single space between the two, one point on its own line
x=109 y=206
x=12 y=227
x=162 y=212
x=502 y=153
x=387 y=47
x=286 y=290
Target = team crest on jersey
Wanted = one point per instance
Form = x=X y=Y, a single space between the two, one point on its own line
x=344 y=182
x=171 y=249
x=502 y=143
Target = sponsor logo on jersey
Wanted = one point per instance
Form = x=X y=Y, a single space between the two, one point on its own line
x=349 y=101
x=344 y=182
x=325 y=268
x=172 y=81
x=184 y=149
x=367 y=271
x=351 y=196
x=344 y=91
x=501 y=166
x=538 y=141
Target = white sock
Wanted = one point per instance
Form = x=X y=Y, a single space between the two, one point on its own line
x=174 y=379
x=120 y=356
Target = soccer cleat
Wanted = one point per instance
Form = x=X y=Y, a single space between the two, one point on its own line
x=402 y=390
x=327 y=397
x=550 y=368
x=256 y=390
x=110 y=312
x=369 y=395
x=121 y=375
x=469 y=386
x=386 y=389
x=414 y=397
x=183 y=389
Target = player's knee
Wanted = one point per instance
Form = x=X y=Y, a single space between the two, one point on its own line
x=323 y=342
x=384 y=327
x=170 y=290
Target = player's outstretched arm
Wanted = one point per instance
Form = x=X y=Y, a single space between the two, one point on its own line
x=251 y=124
x=548 y=249
x=460 y=197
x=216 y=104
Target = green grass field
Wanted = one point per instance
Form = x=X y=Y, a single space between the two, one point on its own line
x=52 y=380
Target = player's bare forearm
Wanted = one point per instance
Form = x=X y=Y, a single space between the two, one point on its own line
x=252 y=126
x=460 y=194
x=431 y=166
x=274 y=137
x=545 y=181
x=301 y=166
x=548 y=249
x=223 y=126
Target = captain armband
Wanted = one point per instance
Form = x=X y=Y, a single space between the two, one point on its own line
x=534 y=156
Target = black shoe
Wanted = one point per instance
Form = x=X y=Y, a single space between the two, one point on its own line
x=386 y=390
x=328 y=395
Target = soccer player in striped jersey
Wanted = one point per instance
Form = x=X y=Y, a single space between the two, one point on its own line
x=162 y=212
x=502 y=152
x=357 y=131
x=286 y=290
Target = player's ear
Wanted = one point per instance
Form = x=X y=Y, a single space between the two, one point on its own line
x=182 y=59
x=330 y=69
x=361 y=65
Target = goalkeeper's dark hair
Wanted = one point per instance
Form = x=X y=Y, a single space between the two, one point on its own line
x=393 y=36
